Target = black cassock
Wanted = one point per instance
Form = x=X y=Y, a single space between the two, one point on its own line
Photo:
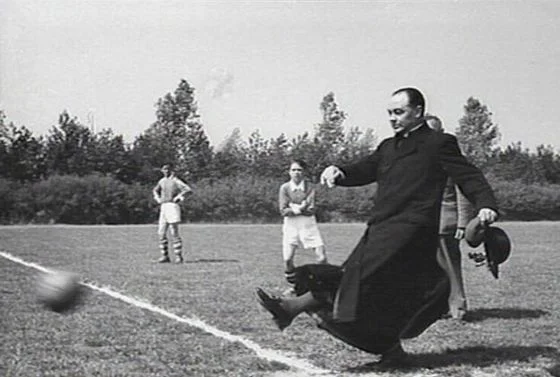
x=391 y=286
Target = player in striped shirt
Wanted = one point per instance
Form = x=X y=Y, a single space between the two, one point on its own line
x=169 y=192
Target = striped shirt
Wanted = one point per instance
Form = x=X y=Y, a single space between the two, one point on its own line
x=169 y=188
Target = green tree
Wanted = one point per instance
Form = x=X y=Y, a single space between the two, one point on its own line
x=323 y=148
x=198 y=153
x=516 y=163
x=230 y=158
x=68 y=147
x=267 y=158
x=149 y=152
x=278 y=156
x=303 y=147
x=549 y=163
x=477 y=134
x=330 y=129
x=329 y=135
x=176 y=137
x=21 y=154
x=257 y=153
x=110 y=155
x=357 y=144
x=4 y=141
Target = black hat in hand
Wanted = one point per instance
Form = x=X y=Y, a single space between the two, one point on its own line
x=497 y=245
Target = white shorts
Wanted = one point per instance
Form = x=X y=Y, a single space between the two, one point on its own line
x=301 y=230
x=170 y=213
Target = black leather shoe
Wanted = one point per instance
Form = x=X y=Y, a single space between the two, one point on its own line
x=281 y=317
x=394 y=357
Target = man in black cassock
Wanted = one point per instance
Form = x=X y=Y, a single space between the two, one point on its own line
x=391 y=286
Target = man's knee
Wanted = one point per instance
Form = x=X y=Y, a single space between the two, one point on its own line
x=174 y=227
x=288 y=251
x=321 y=254
x=176 y=239
x=162 y=229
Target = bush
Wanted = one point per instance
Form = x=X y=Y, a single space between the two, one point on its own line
x=93 y=199
x=519 y=201
x=254 y=199
x=344 y=204
x=98 y=199
x=7 y=189
x=242 y=198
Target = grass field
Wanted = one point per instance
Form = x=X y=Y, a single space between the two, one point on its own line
x=201 y=318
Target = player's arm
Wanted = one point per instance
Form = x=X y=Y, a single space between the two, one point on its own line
x=465 y=212
x=156 y=193
x=309 y=205
x=362 y=172
x=184 y=190
x=284 y=202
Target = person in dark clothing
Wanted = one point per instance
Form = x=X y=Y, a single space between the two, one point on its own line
x=391 y=286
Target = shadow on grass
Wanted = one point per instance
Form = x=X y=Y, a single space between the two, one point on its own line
x=469 y=356
x=477 y=315
x=213 y=261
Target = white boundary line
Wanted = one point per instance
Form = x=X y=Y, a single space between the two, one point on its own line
x=264 y=353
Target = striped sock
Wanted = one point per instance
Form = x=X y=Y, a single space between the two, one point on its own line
x=178 y=247
x=163 y=247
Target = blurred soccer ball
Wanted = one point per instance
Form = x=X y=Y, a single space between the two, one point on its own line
x=58 y=290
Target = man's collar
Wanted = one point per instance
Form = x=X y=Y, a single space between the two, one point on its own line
x=406 y=134
x=300 y=186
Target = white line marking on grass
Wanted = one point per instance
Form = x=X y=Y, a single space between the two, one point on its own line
x=21 y=261
x=264 y=353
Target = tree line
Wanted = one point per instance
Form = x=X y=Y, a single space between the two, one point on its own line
x=75 y=175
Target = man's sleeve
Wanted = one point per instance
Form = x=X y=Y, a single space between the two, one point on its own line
x=465 y=210
x=310 y=199
x=468 y=177
x=183 y=187
x=156 y=189
x=361 y=173
x=283 y=200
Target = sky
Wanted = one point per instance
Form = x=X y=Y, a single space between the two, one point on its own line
x=266 y=65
